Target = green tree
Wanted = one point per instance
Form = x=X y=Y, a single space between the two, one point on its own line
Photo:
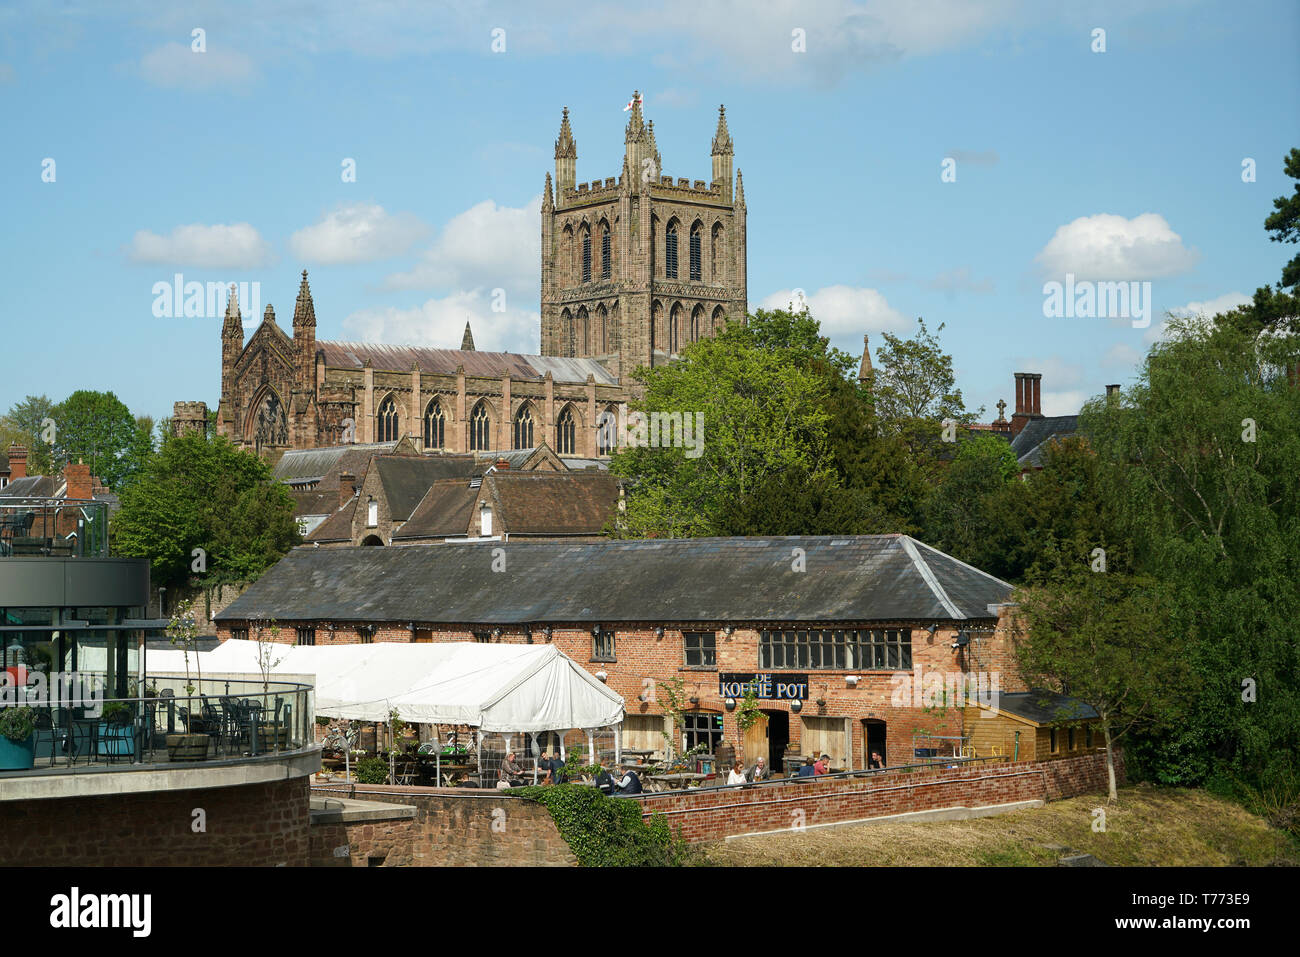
x=198 y=493
x=96 y=428
x=25 y=423
x=1105 y=638
x=1284 y=221
x=963 y=507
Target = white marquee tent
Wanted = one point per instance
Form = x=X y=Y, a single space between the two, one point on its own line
x=503 y=688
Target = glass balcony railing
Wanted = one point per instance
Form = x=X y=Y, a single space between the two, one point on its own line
x=53 y=527
x=219 y=720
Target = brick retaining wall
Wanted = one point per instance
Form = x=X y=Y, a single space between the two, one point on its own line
x=712 y=815
x=452 y=827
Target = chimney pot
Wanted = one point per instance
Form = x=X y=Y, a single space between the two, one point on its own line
x=17 y=461
x=1112 y=390
x=80 y=484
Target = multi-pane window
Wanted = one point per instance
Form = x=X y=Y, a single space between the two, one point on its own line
x=701 y=649
x=566 y=433
x=837 y=650
x=435 y=426
x=702 y=728
x=696 y=258
x=586 y=257
x=306 y=635
x=239 y=634
x=386 y=424
x=524 y=428
x=479 y=430
x=670 y=252
x=602 y=646
x=606 y=266
x=607 y=431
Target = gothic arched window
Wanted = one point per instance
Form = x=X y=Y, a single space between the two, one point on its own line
x=697 y=320
x=566 y=433
x=696 y=260
x=676 y=321
x=435 y=426
x=480 y=430
x=270 y=426
x=607 y=431
x=601 y=344
x=584 y=331
x=566 y=331
x=719 y=319
x=657 y=325
x=670 y=251
x=524 y=427
x=386 y=421
x=606 y=265
x=586 y=256
x=717 y=249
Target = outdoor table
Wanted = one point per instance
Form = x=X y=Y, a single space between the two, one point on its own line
x=679 y=780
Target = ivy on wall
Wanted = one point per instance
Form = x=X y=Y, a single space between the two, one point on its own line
x=609 y=832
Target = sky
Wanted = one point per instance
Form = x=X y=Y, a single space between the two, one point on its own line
x=901 y=158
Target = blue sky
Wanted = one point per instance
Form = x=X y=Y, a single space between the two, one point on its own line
x=225 y=165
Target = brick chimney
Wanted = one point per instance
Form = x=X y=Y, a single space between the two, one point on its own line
x=81 y=486
x=17 y=461
x=1112 y=391
x=347 y=487
x=1028 y=400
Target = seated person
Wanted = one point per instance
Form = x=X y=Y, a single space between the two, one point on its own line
x=604 y=781
x=759 y=771
x=824 y=765
x=510 y=773
x=737 y=774
x=809 y=767
x=628 y=782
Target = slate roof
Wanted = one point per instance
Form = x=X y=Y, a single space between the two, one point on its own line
x=1032 y=441
x=324 y=465
x=313 y=502
x=338 y=527
x=30 y=486
x=353 y=355
x=407 y=480
x=1045 y=707
x=443 y=513
x=859 y=578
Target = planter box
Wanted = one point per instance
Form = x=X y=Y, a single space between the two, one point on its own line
x=116 y=740
x=17 y=755
x=187 y=747
x=268 y=739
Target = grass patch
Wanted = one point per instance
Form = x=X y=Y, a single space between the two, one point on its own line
x=1149 y=826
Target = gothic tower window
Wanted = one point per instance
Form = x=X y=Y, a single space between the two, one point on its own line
x=601 y=344
x=586 y=256
x=434 y=426
x=566 y=330
x=670 y=251
x=584 y=331
x=386 y=421
x=676 y=323
x=270 y=425
x=695 y=252
x=524 y=427
x=607 y=431
x=657 y=326
x=566 y=433
x=719 y=319
x=697 y=320
x=717 y=249
x=606 y=266
x=566 y=258
x=480 y=433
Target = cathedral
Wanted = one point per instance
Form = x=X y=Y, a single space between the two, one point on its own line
x=618 y=291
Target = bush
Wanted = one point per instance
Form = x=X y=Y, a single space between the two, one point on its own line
x=609 y=832
x=17 y=724
x=371 y=771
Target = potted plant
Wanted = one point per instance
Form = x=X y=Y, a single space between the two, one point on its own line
x=17 y=738
x=183 y=630
x=116 y=734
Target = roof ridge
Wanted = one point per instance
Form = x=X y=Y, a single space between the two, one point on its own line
x=927 y=575
x=953 y=558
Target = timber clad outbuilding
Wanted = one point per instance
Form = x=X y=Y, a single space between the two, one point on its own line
x=1035 y=726
x=823 y=628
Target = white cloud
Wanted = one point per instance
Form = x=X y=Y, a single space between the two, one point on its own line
x=176 y=65
x=1122 y=354
x=486 y=246
x=1207 y=309
x=843 y=310
x=440 y=323
x=1064 y=403
x=356 y=233
x=218 y=246
x=1110 y=247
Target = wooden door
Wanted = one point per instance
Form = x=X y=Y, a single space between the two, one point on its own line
x=755 y=741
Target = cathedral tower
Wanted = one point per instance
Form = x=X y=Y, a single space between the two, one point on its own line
x=635 y=268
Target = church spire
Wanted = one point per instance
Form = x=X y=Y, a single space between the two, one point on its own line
x=653 y=149
x=566 y=158
x=233 y=326
x=722 y=138
x=304 y=311
x=740 y=190
x=467 y=341
x=548 y=202
x=864 y=371
x=636 y=122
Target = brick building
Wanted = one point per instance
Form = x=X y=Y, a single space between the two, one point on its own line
x=831 y=632
x=615 y=294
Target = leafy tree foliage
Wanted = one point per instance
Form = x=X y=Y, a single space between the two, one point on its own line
x=1284 y=221
x=205 y=493
x=23 y=424
x=97 y=429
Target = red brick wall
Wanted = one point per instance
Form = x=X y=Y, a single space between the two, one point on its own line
x=452 y=827
x=247 y=825
x=712 y=815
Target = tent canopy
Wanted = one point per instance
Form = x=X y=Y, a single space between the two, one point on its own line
x=491 y=687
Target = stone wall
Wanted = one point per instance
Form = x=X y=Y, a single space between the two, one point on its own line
x=244 y=825
x=452 y=827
